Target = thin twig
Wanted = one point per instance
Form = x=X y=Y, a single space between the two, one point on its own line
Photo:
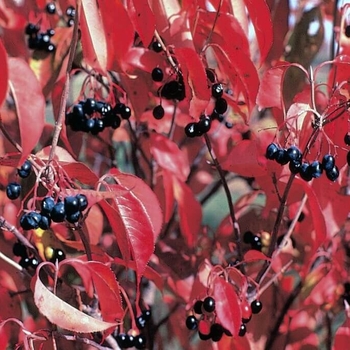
x=228 y=196
x=65 y=93
x=85 y=243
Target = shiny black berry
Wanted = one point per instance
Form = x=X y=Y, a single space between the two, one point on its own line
x=32 y=29
x=82 y=201
x=19 y=249
x=25 y=169
x=33 y=263
x=191 y=323
x=282 y=157
x=197 y=307
x=271 y=151
x=204 y=124
x=333 y=173
x=13 y=190
x=51 y=8
x=242 y=330
x=347 y=139
x=221 y=105
x=50 y=32
x=157 y=74
x=294 y=166
x=216 y=332
x=248 y=237
x=45 y=222
x=147 y=314
x=58 y=213
x=25 y=262
x=47 y=205
x=157 y=47
x=58 y=254
x=347 y=31
x=70 y=11
x=256 y=306
x=125 y=340
x=256 y=243
x=209 y=304
x=217 y=90
x=305 y=172
x=126 y=112
x=140 y=322
x=89 y=106
x=71 y=204
x=73 y=217
x=158 y=112
x=140 y=342
x=70 y=22
x=30 y=221
x=191 y=130
x=316 y=169
x=348 y=158
x=294 y=153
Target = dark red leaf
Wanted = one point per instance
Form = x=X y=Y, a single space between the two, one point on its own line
x=4 y=74
x=30 y=104
x=228 y=310
x=143 y=19
x=169 y=195
x=190 y=211
x=252 y=255
x=260 y=16
x=145 y=196
x=93 y=36
x=168 y=155
x=195 y=80
x=244 y=159
x=119 y=32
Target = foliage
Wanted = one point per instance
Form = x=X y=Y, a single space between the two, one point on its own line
x=113 y=175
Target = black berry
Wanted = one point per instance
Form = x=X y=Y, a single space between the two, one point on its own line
x=47 y=205
x=30 y=221
x=82 y=201
x=248 y=237
x=45 y=222
x=348 y=158
x=70 y=22
x=157 y=74
x=25 y=262
x=217 y=90
x=271 y=151
x=13 y=190
x=347 y=31
x=256 y=243
x=347 y=139
x=197 y=307
x=294 y=153
x=73 y=217
x=333 y=173
x=305 y=172
x=221 y=105
x=71 y=204
x=216 y=332
x=58 y=213
x=242 y=330
x=25 y=169
x=191 y=323
x=51 y=8
x=157 y=47
x=140 y=341
x=191 y=130
x=209 y=304
x=147 y=314
x=294 y=166
x=173 y=90
x=57 y=254
x=33 y=263
x=140 y=322
x=204 y=124
x=256 y=306
x=70 y=11
x=282 y=157
x=328 y=162
x=316 y=169
x=19 y=249
x=158 y=112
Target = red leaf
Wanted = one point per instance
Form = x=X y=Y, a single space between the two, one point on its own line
x=260 y=16
x=252 y=255
x=271 y=87
x=81 y=172
x=228 y=310
x=119 y=32
x=244 y=159
x=169 y=195
x=150 y=274
x=3 y=73
x=105 y=284
x=145 y=195
x=195 y=80
x=62 y=314
x=240 y=70
x=143 y=19
x=168 y=155
x=93 y=37
x=190 y=211
x=30 y=104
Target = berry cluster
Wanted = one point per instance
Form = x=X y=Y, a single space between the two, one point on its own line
x=26 y=262
x=93 y=116
x=198 y=129
x=173 y=90
x=70 y=209
x=247 y=310
x=126 y=340
x=252 y=239
x=307 y=171
x=207 y=329
x=217 y=92
x=39 y=40
x=13 y=189
x=70 y=12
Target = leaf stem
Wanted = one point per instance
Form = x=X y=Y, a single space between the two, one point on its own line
x=217 y=165
x=65 y=93
x=85 y=243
